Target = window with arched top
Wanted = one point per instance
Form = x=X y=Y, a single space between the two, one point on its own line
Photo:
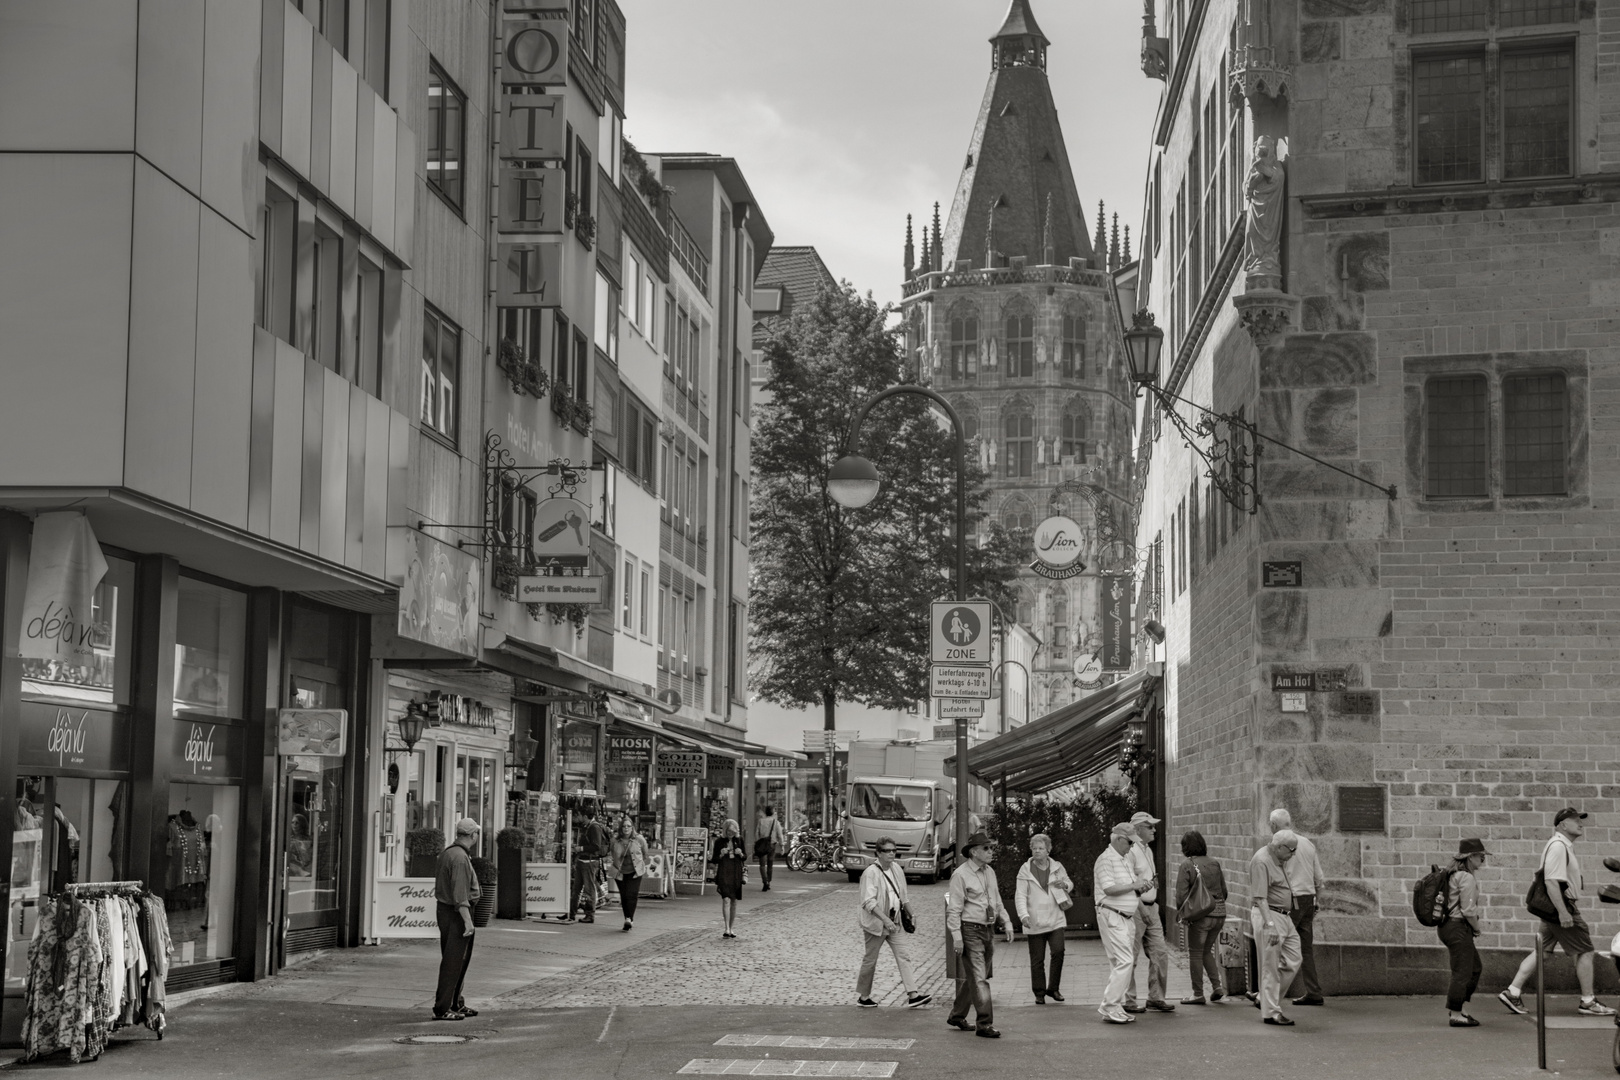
x=969 y=415
x=1018 y=320
x=1057 y=618
x=1076 y=429
x=1017 y=514
x=964 y=345
x=1024 y=605
x=1018 y=434
x=1072 y=346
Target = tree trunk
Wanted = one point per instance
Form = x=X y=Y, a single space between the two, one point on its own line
x=829 y=722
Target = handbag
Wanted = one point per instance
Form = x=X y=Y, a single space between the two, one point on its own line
x=1536 y=899
x=907 y=923
x=1198 y=902
x=1060 y=896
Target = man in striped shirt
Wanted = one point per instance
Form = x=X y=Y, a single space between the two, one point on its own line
x=1115 y=886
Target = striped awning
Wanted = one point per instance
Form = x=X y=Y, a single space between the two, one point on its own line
x=1068 y=744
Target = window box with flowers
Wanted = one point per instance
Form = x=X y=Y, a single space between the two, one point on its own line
x=574 y=614
x=525 y=374
x=572 y=410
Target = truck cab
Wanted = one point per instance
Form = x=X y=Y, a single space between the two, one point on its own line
x=917 y=814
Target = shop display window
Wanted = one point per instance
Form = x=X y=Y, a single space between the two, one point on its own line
x=314 y=820
x=104 y=680
x=209 y=648
x=199 y=882
x=475 y=797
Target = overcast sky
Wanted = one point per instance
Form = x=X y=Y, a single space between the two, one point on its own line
x=845 y=115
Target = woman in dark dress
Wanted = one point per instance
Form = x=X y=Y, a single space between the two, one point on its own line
x=730 y=858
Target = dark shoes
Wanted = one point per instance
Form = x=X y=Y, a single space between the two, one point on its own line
x=988 y=1033
x=865 y=1003
x=1054 y=995
x=917 y=1001
x=1309 y=1000
x=1161 y=1006
x=1464 y=1021
x=1194 y=1001
x=1135 y=1008
x=588 y=918
x=1040 y=999
x=1217 y=995
x=464 y=1011
x=453 y=1014
x=1279 y=1021
x=961 y=1025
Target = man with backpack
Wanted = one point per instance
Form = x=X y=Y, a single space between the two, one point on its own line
x=1561 y=871
x=1448 y=898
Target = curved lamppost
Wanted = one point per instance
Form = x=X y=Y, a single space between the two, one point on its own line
x=1019 y=665
x=854 y=482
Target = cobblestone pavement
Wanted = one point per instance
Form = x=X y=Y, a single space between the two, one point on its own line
x=804 y=954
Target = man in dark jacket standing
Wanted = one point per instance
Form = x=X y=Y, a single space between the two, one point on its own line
x=591 y=843
x=456 y=890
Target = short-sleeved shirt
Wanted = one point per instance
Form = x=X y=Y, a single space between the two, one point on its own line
x=456 y=884
x=1141 y=859
x=1560 y=863
x=1110 y=871
x=1269 y=881
x=1304 y=870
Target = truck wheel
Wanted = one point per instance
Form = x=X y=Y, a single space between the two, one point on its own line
x=854 y=875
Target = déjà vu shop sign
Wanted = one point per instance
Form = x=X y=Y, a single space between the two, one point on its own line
x=203 y=749
x=62 y=738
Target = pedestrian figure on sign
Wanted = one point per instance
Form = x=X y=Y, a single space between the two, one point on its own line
x=1456 y=910
x=455 y=887
x=730 y=861
x=885 y=909
x=1114 y=887
x=1270 y=913
x=1149 y=921
x=1043 y=897
x=1562 y=872
x=1201 y=904
x=1305 y=882
x=768 y=834
x=973 y=910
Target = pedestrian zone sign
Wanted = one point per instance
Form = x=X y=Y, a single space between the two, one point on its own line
x=960 y=632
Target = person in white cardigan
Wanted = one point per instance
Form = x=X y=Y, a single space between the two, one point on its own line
x=1045 y=894
x=883 y=906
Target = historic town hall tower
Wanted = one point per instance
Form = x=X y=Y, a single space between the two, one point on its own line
x=1010 y=313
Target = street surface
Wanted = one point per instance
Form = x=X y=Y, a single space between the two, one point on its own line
x=673 y=998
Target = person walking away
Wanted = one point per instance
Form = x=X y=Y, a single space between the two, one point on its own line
x=768 y=836
x=1149 y=922
x=1042 y=898
x=629 y=861
x=1115 y=887
x=730 y=860
x=1562 y=871
x=1203 y=930
x=455 y=887
x=1305 y=881
x=591 y=845
x=1457 y=909
x=884 y=905
x=1270 y=913
x=973 y=910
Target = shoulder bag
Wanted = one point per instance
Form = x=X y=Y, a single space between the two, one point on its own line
x=1536 y=900
x=907 y=923
x=1060 y=897
x=1198 y=902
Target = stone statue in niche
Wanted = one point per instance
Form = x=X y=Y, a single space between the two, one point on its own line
x=1263 y=195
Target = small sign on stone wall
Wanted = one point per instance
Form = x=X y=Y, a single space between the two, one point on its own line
x=1361 y=702
x=1361 y=808
x=1293 y=680
x=1282 y=575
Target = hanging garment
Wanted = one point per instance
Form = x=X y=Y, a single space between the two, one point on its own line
x=113 y=912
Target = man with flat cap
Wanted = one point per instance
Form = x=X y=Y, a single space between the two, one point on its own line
x=456 y=889
x=1115 y=886
x=1276 y=939
x=1149 y=937
x=1562 y=871
x=973 y=910
x=1457 y=908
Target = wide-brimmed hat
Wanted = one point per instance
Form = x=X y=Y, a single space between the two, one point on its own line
x=1471 y=845
x=978 y=839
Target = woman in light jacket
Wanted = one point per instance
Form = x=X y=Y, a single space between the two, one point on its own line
x=629 y=862
x=1044 y=893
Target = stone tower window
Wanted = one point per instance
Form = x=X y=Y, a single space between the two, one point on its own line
x=1458 y=437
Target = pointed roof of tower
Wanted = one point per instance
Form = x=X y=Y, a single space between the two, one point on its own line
x=1016 y=161
x=1020 y=22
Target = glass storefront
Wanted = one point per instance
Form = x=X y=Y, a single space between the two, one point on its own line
x=103 y=679
x=209 y=650
x=200 y=884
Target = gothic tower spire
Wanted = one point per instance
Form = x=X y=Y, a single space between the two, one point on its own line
x=910 y=251
x=939 y=247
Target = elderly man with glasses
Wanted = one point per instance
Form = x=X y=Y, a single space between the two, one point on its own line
x=1276 y=939
x=884 y=906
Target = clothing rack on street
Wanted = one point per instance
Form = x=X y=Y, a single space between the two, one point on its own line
x=81 y=888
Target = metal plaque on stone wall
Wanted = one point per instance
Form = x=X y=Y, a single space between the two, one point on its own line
x=1361 y=808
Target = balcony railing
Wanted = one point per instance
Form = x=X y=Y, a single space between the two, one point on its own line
x=688 y=254
x=1006 y=275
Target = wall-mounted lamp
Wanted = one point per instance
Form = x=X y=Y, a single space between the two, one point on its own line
x=1155 y=630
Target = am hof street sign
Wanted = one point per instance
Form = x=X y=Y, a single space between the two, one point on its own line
x=1057 y=548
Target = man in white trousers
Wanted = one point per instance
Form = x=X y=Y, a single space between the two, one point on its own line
x=1115 y=886
x=1276 y=939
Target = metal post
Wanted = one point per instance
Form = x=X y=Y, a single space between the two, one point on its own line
x=1541 y=1004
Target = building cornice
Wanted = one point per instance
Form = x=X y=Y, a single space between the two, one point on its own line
x=1453 y=198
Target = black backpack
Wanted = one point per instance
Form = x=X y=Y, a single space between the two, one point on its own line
x=1429 y=889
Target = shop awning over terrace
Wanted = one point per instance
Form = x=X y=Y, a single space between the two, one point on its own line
x=1068 y=744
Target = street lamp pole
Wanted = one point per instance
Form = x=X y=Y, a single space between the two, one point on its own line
x=854 y=482
x=1019 y=665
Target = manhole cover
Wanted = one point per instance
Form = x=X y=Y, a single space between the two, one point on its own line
x=435 y=1040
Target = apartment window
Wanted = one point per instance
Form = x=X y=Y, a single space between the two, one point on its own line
x=1019 y=429
x=446 y=139
x=636 y=296
x=1535 y=435
x=1458 y=437
x=584 y=27
x=581 y=172
x=1020 y=346
x=368 y=336
x=606 y=328
x=638 y=440
x=964 y=346
x=327 y=291
x=663 y=625
x=278 y=234
x=1072 y=349
x=627 y=609
x=580 y=377
x=525 y=328
x=642 y=597
x=330 y=19
x=1074 y=431
x=560 y=344
x=441 y=373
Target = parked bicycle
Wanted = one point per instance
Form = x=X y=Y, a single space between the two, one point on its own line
x=815 y=852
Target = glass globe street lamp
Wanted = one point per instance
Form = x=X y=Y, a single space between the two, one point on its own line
x=853 y=481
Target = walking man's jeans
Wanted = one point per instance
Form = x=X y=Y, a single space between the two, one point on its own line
x=1150 y=940
x=767 y=863
x=1203 y=954
x=1304 y=916
x=902 y=960
x=1458 y=938
x=1119 y=945
x=973 y=974
x=583 y=886
x=629 y=893
x=1278 y=963
x=1039 y=981
x=455 y=953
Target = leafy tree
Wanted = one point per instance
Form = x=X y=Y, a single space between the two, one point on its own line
x=838 y=597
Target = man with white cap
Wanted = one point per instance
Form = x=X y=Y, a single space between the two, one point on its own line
x=1149 y=924
x=1114 y=888
x=456 y=889
x=1276 y=939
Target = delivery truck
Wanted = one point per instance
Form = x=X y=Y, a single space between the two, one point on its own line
x=900 y=791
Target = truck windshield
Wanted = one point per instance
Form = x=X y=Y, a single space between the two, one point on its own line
x=890 y=802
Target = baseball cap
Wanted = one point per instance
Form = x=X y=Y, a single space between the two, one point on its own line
x=1142 y=817
x=1124 y=828
x=1568 y=812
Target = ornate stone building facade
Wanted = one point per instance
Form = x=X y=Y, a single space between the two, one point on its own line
x=1010 y=313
